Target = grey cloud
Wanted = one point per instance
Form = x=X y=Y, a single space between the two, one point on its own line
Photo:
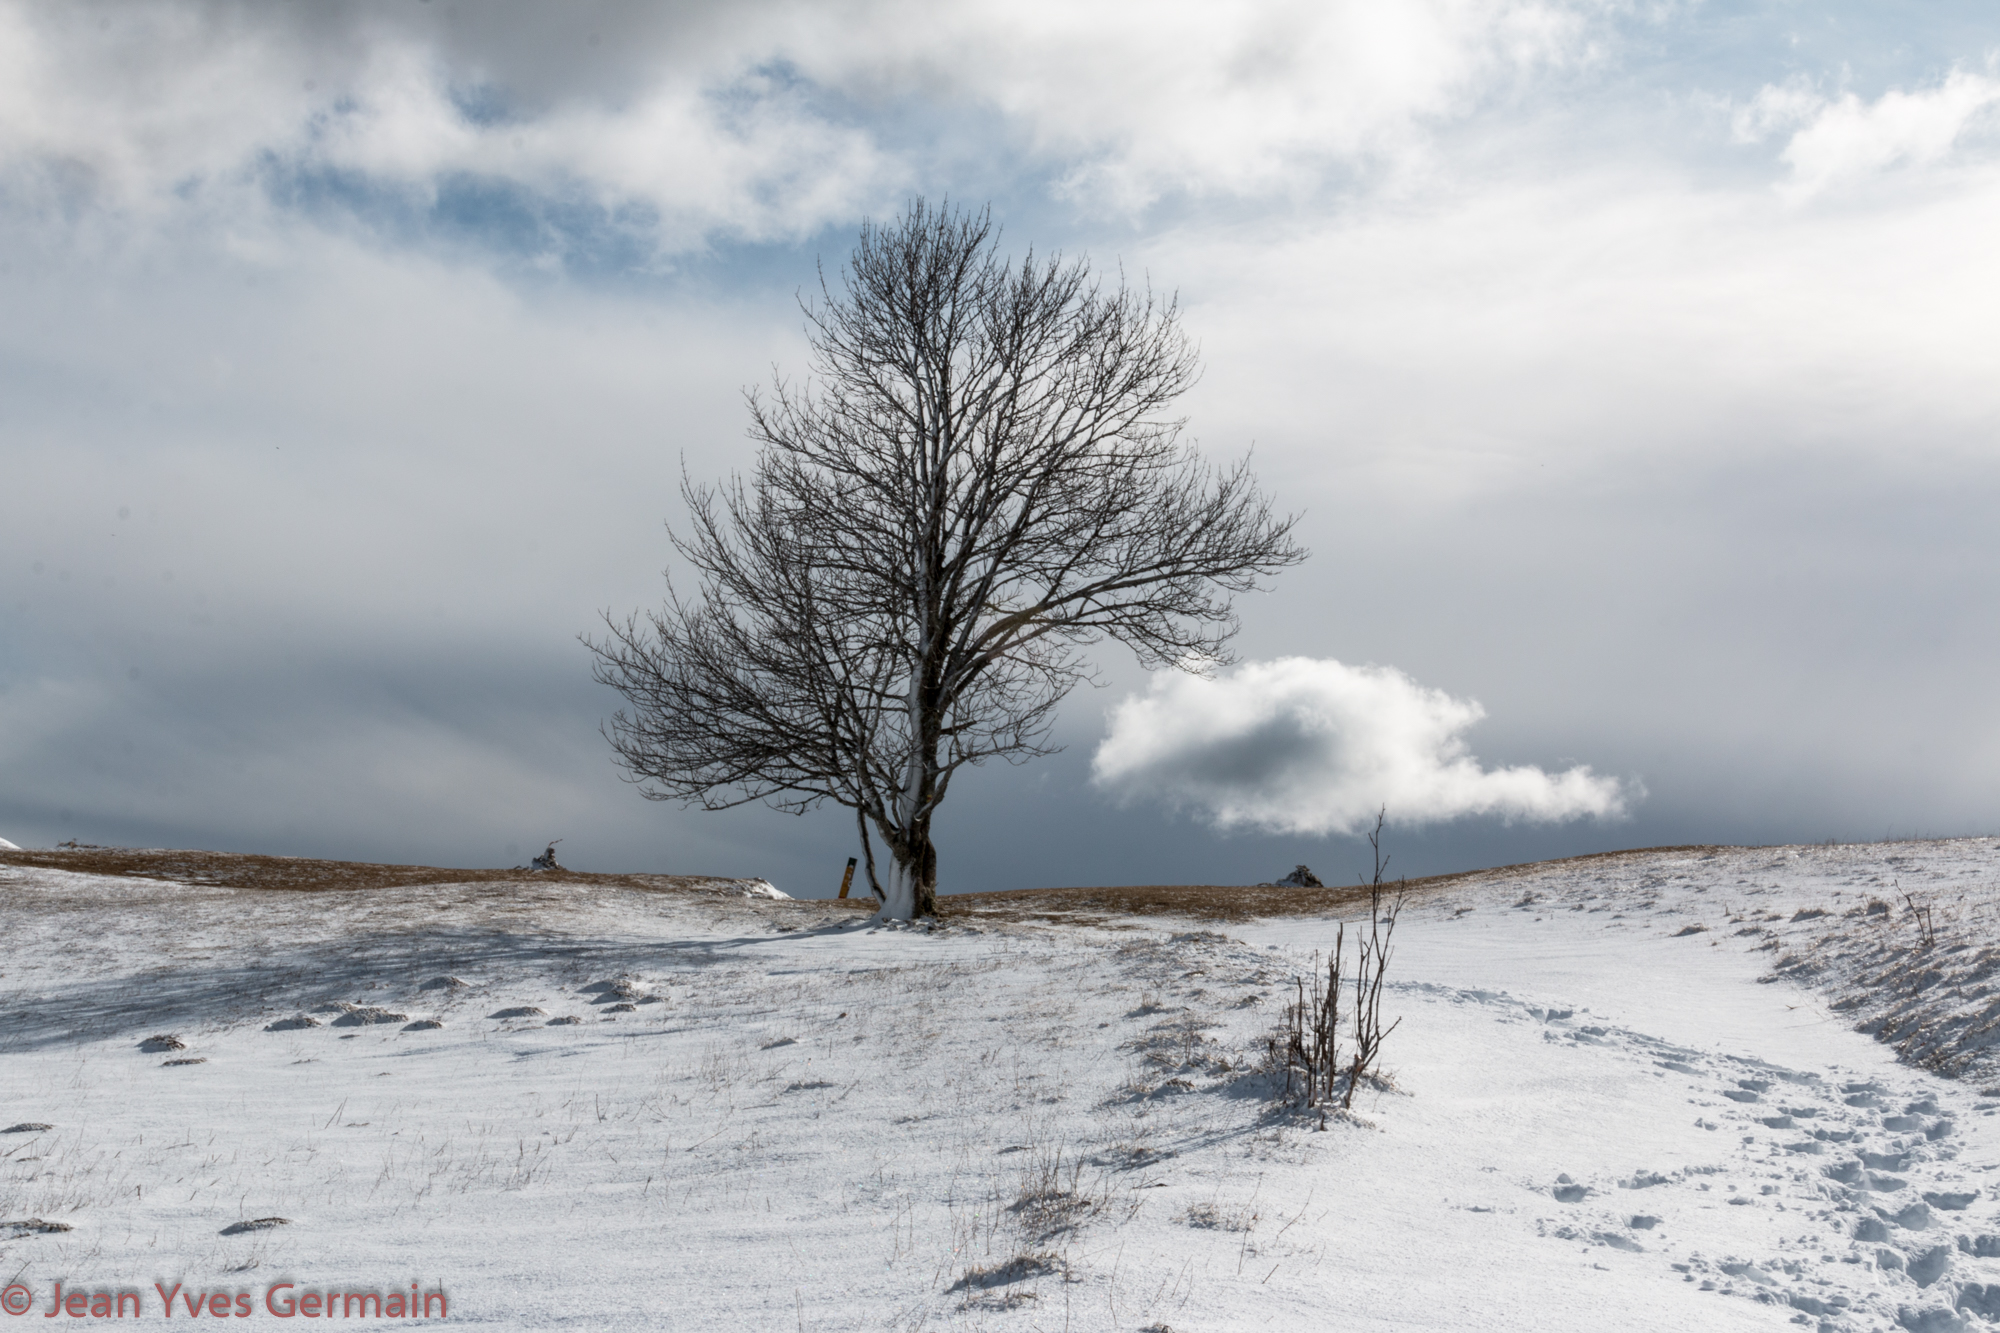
x=683 y=123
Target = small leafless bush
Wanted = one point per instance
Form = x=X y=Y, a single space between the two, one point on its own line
x=1926 y=927
x=1208 y=1217
x=1372 y=970
x=1052 y=1198
x=1309 y=1031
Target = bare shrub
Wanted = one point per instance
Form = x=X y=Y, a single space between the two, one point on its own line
x=1208 y=1217
x=1309 y=1031
x=1052 y=1198
x=1372 y=970
x=1926 y=928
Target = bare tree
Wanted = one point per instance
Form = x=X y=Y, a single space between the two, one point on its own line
x=981 y=479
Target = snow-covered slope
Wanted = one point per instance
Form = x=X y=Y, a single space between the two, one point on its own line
x=736 y=1112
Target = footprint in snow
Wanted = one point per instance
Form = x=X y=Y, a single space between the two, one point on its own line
x=1876 y=1232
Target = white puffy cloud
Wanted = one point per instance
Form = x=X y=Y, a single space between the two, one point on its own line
x=1311 y=745
x=1840 y=140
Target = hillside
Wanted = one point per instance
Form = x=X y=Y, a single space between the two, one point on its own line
x=1627 y=1092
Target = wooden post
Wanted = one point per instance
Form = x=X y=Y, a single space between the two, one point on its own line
x=848 y=878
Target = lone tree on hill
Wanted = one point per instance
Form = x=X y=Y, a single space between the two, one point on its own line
x=982 y=478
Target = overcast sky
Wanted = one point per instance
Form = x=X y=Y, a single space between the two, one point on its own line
x=1636 y=369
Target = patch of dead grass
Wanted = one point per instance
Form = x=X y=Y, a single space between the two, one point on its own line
x=1225 y=902
x=297 y=874
x=1081 y=906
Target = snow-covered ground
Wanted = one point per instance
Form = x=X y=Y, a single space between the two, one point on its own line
x=1628 y=1092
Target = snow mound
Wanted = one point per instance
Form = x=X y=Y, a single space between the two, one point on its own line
x=293 y=1024
x=763 y=888
x=624 y=991
x=519 y=1011
x=1590 y=1113
x=162 y=1041
x=423 y=1025
x=444 y=983
x=365 y=1015
x=6 y=846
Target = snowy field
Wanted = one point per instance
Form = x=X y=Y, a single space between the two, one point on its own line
x=1629 y=1092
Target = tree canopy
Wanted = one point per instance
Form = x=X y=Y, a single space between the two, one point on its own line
x=981 y=478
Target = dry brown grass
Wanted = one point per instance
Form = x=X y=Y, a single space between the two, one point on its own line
x=1225 y=902
x=295 y=874
x=1212 y=902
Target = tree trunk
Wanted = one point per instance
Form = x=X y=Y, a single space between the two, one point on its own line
x=912 y=887
x=926 y=878
x=911 y=891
